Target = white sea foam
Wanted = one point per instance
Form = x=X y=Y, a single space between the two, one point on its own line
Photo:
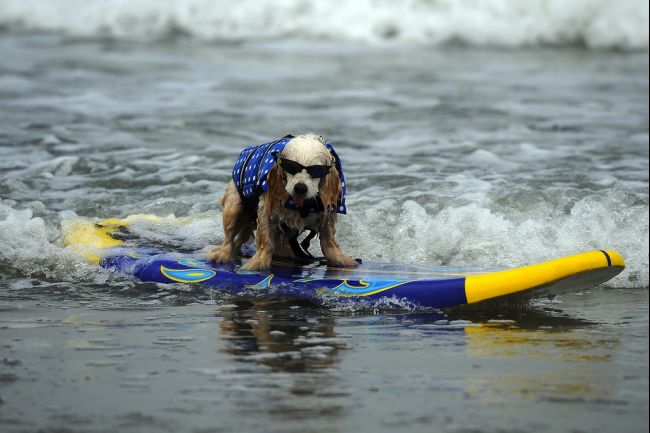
x=481 y=233
x=478 y=233
x=474 y=234
x=508 y=23
x=29 y=244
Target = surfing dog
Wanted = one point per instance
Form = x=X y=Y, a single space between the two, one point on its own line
x=280 y=190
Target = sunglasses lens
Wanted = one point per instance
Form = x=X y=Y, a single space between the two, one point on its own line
x=290 y=166
x=317 y=171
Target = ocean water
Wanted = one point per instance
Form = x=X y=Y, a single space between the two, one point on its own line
x=471 y=134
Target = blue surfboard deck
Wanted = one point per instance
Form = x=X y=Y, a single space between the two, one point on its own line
x=312 y=281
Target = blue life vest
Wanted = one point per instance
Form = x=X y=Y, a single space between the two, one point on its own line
x=255 y=162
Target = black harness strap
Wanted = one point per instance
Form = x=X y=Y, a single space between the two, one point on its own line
x=299 y=249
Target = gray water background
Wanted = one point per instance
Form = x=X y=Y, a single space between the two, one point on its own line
x=454 y=156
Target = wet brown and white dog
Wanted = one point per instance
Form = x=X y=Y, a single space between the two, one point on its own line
x=281 y=193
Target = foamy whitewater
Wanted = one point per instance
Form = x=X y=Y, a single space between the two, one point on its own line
x=506 y=23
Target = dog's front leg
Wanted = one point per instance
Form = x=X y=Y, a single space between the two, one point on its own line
x=233 y=214
x=331 y=249
x=263 y=239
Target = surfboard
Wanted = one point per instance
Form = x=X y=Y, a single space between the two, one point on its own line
x=109 y=244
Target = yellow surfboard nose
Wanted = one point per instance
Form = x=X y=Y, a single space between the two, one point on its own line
x=89 y=238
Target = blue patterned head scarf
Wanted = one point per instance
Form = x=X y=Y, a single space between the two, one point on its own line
x=255 y=162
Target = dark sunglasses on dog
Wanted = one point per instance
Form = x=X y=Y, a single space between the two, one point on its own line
x=293 y=168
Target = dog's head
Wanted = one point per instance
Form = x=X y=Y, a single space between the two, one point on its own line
x=309 y=169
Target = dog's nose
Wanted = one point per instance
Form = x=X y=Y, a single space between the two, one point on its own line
x=300 y=188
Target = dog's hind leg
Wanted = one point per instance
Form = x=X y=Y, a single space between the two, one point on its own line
x=233 y=221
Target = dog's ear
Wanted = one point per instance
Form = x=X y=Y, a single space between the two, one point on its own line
x=277 y=195
x=330 y=190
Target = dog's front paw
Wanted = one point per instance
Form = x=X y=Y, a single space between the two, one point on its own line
x=342 y=261
x=257 y=263
x=220 y=255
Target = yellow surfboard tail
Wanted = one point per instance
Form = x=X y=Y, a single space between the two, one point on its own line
x=599 y=266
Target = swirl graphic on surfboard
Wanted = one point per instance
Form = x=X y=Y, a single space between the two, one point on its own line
x=364 y=287
x=187 y=275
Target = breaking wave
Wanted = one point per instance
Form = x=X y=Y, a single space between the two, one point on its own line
x=621 y=24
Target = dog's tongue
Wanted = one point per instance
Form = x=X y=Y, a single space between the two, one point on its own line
x=298 y=200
